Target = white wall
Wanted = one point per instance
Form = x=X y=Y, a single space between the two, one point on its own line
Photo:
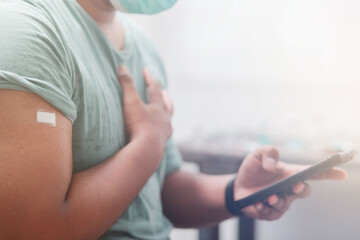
x=255 y=61
x=260 y=40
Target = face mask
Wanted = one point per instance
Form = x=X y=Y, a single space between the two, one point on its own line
x=142 y=6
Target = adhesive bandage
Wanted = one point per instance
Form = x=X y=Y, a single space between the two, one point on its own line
x=46 y=117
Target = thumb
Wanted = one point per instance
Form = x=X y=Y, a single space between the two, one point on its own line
x=270 y=158
x=127 y=84
x=269 y=164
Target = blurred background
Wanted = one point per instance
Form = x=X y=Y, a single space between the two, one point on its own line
x=244 y=73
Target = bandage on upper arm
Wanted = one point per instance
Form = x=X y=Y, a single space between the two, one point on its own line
x=30 y=114
x=35 y=157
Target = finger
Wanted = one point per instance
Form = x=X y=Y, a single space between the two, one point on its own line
x=127 y=84
x=301 y=190
x=267 y=212
x=332 y=174
x=168 y=102
x=298 y=188
x=288 y=200
x=274 y=208
x=283 y=203
x=280 y=206
x=154 y=88
x=262 y=209
x=149 y=79
x=270 y=157
x=278 y=203
x=275 y=202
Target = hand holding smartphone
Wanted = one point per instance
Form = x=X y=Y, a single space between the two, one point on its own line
x=285 y=185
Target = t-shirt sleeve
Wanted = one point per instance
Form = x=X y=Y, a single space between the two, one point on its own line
x=33 y=57
x=173 y=157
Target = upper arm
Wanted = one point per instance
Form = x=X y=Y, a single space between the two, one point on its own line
x=34 y=56
x=35 y=162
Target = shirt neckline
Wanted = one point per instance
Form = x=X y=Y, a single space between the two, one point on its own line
x=123 y=54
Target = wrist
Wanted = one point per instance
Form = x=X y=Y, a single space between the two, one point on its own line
x=151 y=139
x=230 y=201
x=150 y=151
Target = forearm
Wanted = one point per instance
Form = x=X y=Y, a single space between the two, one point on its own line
x=195 y=200
x=98 y=196
x=40 y=198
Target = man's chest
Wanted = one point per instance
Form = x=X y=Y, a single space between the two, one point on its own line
x=99 y=130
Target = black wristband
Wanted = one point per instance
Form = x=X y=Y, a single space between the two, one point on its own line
x=229 y=199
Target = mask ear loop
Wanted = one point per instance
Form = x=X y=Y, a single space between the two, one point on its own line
x=46 y=117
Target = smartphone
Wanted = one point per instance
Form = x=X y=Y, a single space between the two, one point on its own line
x=285 y=185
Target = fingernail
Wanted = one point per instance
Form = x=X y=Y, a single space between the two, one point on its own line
x=270 y=163
x=273 y=200
x=299 y=188
x=258 y=206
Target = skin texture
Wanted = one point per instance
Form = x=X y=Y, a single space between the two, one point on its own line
x=261 y=168
x=104 y=15
x=39 y=196
x=197 y=200
x=41 y=199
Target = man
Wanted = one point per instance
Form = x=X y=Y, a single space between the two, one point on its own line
x=84 y=154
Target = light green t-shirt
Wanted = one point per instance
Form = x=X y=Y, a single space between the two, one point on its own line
x=55 y=49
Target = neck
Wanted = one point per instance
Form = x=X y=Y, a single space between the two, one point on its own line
x=104 y=15
x=101 y=11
